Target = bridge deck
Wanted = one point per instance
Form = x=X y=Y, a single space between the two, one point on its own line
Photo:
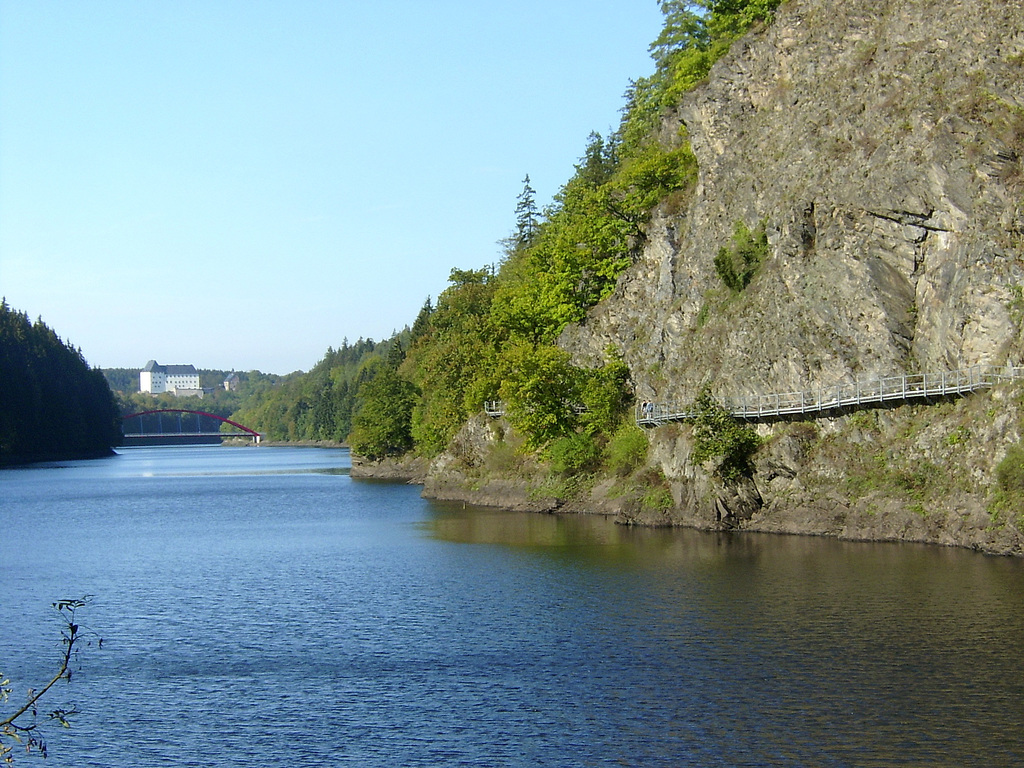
x=187 y=434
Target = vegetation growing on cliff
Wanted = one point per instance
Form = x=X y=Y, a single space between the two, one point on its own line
x=1007 y=501
x=52 y=404
x=720 y=438
x=737 y=263
x=492 y=333
x=1009 y=494
x=696 y=33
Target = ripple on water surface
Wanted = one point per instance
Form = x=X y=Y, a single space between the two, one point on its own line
x=260 y=606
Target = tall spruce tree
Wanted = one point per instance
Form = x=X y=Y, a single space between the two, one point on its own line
x=526 y=216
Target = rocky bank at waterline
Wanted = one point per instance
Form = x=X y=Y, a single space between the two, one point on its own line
x=919 y=473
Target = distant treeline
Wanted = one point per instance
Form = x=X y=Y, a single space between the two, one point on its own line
x=319 y=405
x=52 y=404
x=124 y=380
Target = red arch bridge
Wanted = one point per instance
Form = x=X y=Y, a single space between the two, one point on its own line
x=178 y=426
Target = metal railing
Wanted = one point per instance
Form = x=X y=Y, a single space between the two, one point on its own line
x=865 y=392
x=496 y=408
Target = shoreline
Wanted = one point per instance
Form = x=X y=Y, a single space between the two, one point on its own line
x=830 y=517
x=13 y=462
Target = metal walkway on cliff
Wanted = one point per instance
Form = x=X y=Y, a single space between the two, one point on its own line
x=863 y=393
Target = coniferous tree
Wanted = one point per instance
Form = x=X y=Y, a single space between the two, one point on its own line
x=422 y=322
x=526 y=215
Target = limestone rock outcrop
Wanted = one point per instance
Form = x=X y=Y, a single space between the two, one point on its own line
x=881 y=144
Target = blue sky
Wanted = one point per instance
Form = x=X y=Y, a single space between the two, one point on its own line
x=244 y=184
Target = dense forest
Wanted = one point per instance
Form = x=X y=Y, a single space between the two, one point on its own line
x=53 y=405
x=491 y=334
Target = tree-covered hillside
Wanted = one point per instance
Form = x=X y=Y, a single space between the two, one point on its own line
x=491 y=335
x=318 y=405
x=52 y=404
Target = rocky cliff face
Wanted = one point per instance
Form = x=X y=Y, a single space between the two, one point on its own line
x=881 y=144
x=881 y=147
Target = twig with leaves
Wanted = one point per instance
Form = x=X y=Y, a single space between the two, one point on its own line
x=21 y=726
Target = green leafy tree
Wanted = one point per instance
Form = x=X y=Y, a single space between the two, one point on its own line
x=605 y=394
x=540 y=389
x=421 y=324
x=694 y=36
x=574 y=453
x=591 y=234
x=684 y=29
x=452 y=363
x=599 y=161
x=534 y=301
x=383 y=425
x=730 y=19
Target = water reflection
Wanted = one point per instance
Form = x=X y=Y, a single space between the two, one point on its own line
x=464 y=523
x=881 y=646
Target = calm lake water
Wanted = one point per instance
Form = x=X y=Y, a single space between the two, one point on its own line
x=260 y=607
